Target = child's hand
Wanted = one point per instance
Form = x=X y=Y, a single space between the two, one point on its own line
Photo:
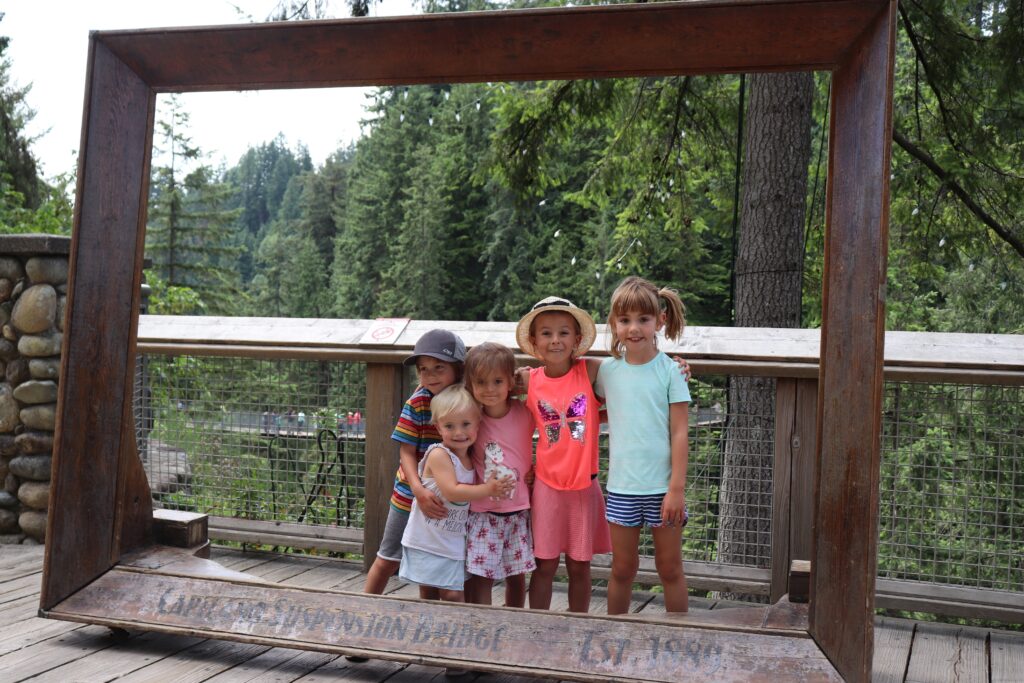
x=673 y=509
x=429 y=504
x=500 y=488
x=522 y=381
x=529 y=477
x=684 y=367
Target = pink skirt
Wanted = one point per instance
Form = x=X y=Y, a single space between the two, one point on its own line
x=570 y=522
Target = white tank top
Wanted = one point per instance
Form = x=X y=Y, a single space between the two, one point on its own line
x=445 y=537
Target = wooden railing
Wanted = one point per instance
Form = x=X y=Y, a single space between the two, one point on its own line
x=788 y=355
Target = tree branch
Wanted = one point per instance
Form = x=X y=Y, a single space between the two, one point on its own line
x=955 y=187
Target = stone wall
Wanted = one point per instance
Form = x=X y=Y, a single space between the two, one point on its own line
x=33 y=289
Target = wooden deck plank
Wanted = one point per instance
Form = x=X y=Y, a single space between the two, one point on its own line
x=197 y=663
x=1007 y=653
x=16 y=572
x=418 y=673
x=16 y=589
x=893 y=638
x=283 y=569
x=948 y=654
x=327 y=575
x=26 y=607
x=27 y=632
x=340 y=670
x=239 y=561
x=118 y=660
x=276 y=664
x=11 y=555
x=40 y=657
x=48 y=648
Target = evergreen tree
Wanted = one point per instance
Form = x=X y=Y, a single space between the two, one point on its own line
x=371 y=210
x=292 y=271
x=259 y=181
x=19 y=177
x=189 y=227
x=27 y=202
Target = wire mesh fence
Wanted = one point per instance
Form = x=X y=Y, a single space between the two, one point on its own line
x=283 y=441
x=952 y=485
x=277 y=440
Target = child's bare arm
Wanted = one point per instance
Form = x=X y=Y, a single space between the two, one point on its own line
x=674 y=506
x=440 y=467
x=429 y=504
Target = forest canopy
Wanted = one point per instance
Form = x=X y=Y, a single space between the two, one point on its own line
x=471 y=201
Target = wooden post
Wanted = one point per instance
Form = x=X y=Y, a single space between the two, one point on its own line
x=852 y=337
x=383 y=405
x=88 y=524
x=796 y=404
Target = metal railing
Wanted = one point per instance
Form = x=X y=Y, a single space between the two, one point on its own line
x=220 y=433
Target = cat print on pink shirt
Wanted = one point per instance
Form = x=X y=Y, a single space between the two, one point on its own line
x=494 y=463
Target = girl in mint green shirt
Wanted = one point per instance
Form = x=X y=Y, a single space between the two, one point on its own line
x=647 y=400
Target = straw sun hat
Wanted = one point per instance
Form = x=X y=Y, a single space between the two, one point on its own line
x=554 y=304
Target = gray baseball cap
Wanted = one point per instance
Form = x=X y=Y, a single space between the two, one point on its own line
x=440 y=344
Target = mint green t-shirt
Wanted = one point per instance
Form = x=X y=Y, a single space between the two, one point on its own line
x=637 y=398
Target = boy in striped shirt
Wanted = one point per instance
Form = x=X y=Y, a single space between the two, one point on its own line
x=438 y=356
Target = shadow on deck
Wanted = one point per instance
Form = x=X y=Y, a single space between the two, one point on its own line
x=43 y=650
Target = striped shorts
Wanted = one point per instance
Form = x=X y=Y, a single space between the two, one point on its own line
x=628 y=510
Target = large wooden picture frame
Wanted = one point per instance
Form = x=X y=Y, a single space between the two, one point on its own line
x=104 y=512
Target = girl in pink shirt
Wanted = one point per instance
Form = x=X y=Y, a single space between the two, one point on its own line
x=499 y=544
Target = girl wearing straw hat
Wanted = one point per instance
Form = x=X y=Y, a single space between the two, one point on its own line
x=568 y=514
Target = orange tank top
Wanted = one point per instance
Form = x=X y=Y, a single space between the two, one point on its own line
x=565 y=412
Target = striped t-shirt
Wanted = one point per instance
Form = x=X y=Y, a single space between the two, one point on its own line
x=416 y=429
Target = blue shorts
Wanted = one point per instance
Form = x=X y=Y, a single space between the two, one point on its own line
x=428 y=569
x=629 y=510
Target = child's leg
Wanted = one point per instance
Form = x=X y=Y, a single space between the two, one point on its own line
x=515 y=591
x=579 y=584
x=389 y=556
x=668 y=560
x=625 y=563
x=478 y=590
x=377 y=578
x=540 y=583
x=451 y=596
x=430 y=593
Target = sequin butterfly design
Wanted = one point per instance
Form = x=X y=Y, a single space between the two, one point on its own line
x=572 y=418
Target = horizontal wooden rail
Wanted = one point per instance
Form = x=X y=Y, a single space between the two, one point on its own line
x=956 y=601
x=292 y=535
x=762 y=352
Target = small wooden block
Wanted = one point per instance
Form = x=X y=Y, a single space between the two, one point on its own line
x=799 y=580
x=180 y=529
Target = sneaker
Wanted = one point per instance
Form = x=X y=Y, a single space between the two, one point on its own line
x=356 y=659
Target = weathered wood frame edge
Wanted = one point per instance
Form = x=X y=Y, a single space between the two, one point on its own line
x=103 y=512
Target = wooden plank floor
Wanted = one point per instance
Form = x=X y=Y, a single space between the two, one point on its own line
x=43 y=650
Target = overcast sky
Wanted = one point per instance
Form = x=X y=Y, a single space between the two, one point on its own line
x=48 y=48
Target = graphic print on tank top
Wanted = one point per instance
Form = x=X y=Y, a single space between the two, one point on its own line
x=572 y=416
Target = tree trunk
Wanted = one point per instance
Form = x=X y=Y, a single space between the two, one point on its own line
x=768 y=271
